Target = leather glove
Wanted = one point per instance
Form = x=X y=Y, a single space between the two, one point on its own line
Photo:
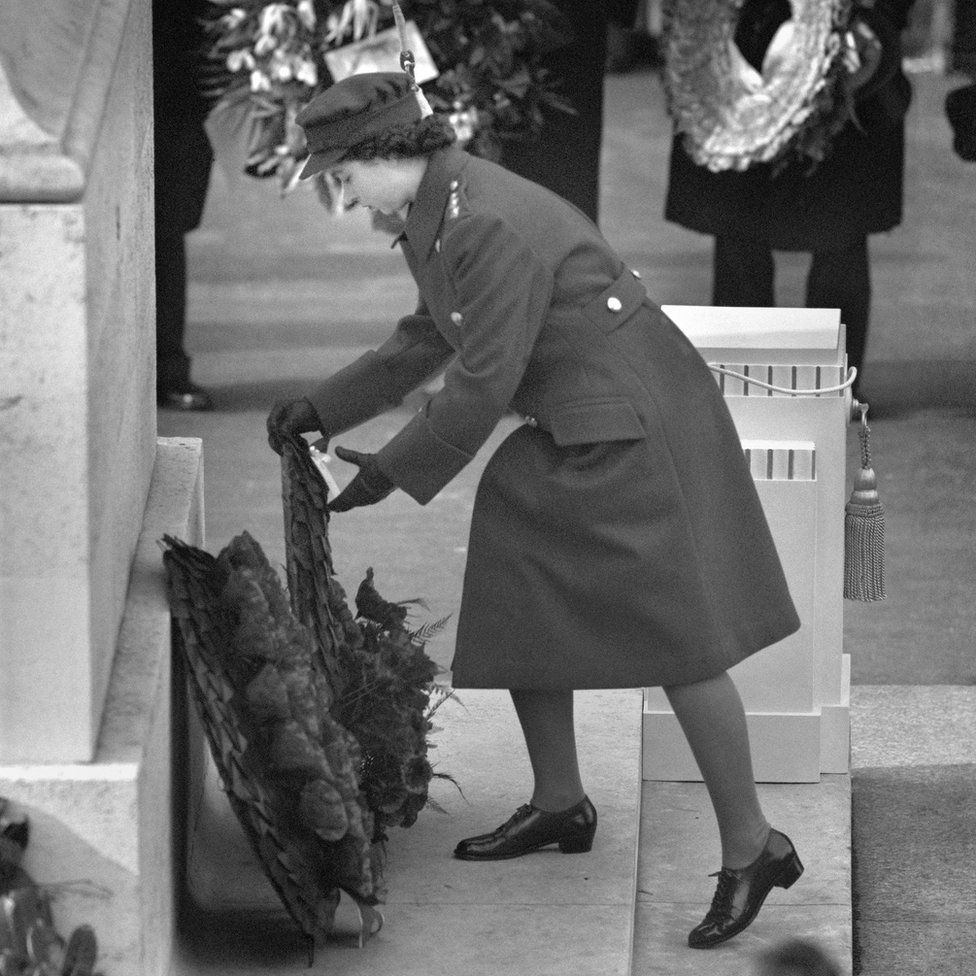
x=368 y=487
x=288 y=418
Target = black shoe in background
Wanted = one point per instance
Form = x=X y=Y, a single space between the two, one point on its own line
x=184 y=396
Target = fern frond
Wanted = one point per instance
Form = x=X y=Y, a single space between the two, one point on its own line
x=429 y=630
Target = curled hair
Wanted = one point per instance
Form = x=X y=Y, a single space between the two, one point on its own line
x=407 y=140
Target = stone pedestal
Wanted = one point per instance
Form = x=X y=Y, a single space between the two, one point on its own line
x=85 y=489
x=77 y=400
x=797 y=692
x=110 y=822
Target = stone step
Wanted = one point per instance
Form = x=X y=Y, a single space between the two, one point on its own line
x=679 y=848
x=547 y=914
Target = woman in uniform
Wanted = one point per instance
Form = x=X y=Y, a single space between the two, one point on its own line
x=617 y=539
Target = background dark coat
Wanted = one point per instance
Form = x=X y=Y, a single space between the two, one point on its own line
x=617 y=539
x=857 y=191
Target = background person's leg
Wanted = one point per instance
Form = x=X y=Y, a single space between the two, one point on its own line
x=743 y=273
x=842 y=279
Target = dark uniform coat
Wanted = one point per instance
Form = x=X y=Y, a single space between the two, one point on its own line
x=857 y=191
x=617 y=538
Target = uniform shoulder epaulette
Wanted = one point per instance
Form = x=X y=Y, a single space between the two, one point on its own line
x=454 y=200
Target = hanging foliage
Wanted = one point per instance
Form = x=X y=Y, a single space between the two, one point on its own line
x=274 y=57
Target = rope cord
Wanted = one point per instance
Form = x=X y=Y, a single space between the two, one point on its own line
x=851 y=376
x=407 y=60
x=864 y=432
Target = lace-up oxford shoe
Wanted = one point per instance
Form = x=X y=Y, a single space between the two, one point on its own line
x=530 y=828
x=741 y=892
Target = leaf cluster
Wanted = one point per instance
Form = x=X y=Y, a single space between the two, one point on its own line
x=29 y=943
x=289 y=768
x=490 y=56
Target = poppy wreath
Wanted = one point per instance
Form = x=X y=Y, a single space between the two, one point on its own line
x=317 y=720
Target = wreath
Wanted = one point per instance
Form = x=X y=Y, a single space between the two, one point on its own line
x=29 y=943
x=268 y=59
x=317 y=719
x=733 y=115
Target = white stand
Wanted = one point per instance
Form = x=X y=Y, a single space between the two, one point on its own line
x=797 y=692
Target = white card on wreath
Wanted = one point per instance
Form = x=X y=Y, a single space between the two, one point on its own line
x=381 y=52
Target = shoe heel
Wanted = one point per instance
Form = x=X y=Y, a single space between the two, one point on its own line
x=580 y=844
x=791 y=871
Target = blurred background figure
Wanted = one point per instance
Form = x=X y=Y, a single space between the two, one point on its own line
x=961 y=102
x=565 y=155
x=961 y=113
x=795 y=957
x=855 y=192
x=183 y=158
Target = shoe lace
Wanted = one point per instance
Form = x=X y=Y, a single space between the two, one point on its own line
x=520 y=814
x=722 y=899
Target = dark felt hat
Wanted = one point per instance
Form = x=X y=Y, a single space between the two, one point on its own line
x=353 y=110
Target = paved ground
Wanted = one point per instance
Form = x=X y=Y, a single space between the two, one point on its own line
x=281 y=294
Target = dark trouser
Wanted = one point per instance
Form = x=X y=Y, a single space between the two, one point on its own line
x=744 y=274
x=172 y=362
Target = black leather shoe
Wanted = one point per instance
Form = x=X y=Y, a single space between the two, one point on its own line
x=741 y=892
x=529 y=828
x=185 y=396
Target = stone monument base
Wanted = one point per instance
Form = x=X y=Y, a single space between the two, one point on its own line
x=103 y=833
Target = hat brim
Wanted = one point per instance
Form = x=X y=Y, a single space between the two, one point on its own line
x=317 y=162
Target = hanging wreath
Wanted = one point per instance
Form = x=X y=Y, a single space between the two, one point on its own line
x=732 y=114
x=484 y=68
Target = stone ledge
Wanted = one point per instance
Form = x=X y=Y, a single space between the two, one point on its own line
x=108 y=823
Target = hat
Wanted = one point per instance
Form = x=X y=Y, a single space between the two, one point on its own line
x=353 y=110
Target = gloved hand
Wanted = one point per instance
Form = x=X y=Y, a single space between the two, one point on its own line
x=368 y=487
x=289 y=417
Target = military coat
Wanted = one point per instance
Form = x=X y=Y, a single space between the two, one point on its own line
x=617 y=539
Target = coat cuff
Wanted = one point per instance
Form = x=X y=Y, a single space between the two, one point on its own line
x=420 y=462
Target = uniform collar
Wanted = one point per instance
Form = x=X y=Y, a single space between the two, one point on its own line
x=427 y=211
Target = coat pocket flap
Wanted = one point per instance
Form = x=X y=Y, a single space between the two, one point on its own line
x=592 y=421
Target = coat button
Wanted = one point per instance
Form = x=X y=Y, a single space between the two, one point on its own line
x=457 y=318
x=454 y=184
x=614 y=303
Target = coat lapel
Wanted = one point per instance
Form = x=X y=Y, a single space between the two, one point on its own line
x=427 y=212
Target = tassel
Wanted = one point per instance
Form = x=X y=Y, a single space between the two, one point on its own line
x=864 y=525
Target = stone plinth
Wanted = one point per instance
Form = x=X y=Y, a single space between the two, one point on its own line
x=77 y=404
x=797 y=692
x=110 y=822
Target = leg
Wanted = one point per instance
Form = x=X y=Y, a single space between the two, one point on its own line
x=755 y=858
x=559 y=813
x=743 y=272
x=173 y=386
x=842 y=279
x=714 y=723
x=172 y=362
x=546 y=718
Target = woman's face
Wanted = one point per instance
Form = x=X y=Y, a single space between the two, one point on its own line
x=379 y=184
